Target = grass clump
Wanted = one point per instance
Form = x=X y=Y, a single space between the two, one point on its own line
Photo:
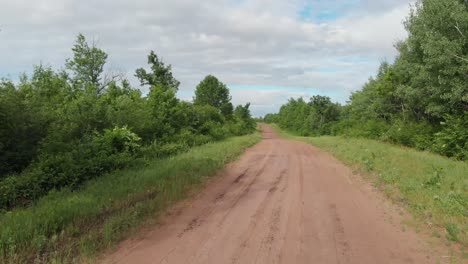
x=66 y=226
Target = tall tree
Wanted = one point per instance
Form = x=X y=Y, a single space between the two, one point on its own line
x=160 y=74
x=87 y=64
x=436 y=56
x=323 y=111
x=210 y=91
x=243 y=112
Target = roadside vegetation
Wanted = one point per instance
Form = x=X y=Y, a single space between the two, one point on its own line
x=84 y=156
x=420 y=100
x=69 y=226
x=62 y=128
x=432 y=187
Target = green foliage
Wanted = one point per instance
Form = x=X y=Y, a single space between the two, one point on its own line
x=66 y=225
x=245 y=123
x=59 y=130
x=452 y=140
x=421 y=100
x=435 y=180
x=160 y=75
x=158 y=150
x=27 y=111
x=313 y=118
x=437 y=51
x=210 y=91
x=411 y=134
x=425 y=86
x=453 y=231
x=120 y=140
x=87 y=64
x=271 y=118
x=88 y=159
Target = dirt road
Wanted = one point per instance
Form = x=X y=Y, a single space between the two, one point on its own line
x=282 y=202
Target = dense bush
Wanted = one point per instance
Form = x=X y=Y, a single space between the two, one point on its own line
x=412 y=134
x=62 y=128
x=308 y=118
x=452 y=140
x=88 y=159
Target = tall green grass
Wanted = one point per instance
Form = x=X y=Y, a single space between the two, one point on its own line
x=66 y=226
x=433 y=188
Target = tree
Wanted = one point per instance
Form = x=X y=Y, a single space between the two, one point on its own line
x=324 y=108
x=242 y=112
x=61 y=128
x=87 y=64
x=163 y=106
x=436 y=54
x=160 y=74
x=210 y=91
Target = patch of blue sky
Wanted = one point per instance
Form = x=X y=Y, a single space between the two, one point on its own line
x=327 y=16
x=13 y=75
x=325 y=11
x=305 y=12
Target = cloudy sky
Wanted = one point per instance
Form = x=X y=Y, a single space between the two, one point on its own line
x=265 y=50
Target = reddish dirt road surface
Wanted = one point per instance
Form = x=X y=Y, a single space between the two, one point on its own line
x=282 y=202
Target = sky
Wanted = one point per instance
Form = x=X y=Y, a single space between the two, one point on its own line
x=266 y=51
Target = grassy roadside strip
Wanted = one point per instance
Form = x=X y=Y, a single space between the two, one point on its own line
x=433 y=188
x=70 y=227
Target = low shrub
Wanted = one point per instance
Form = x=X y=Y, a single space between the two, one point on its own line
x=158 y=150
x=95 y=155
x=452 y=140
x=410 y=134
x=69 y=224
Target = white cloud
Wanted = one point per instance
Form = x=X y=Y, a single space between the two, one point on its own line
x=248 y=42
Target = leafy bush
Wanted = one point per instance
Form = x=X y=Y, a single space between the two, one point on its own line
x=60 y=226
x=62 y=128
x=452 y=140
x=158 y=150
x=120 y=140
x=373 y=129
x=92 y=157
x=410 y=134
x=240 y=127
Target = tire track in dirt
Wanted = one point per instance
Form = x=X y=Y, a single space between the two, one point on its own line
x=260 y=217
x=231 y=201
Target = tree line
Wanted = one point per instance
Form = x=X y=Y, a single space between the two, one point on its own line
x=420 y=100
x=61 y=128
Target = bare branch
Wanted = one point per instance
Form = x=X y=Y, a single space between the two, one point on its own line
x=459 y=57
x=458 y=28
x=112 y=75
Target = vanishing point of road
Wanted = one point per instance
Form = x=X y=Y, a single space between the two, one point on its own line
x=283 y=201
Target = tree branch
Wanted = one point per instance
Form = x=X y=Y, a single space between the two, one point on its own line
x=458 y=28
x=459 y=57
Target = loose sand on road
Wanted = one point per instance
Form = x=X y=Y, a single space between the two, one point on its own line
x=282 y=202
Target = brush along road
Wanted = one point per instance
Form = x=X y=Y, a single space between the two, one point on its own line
x=282 y=202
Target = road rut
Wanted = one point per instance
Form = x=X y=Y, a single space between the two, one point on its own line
x=282 y=202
